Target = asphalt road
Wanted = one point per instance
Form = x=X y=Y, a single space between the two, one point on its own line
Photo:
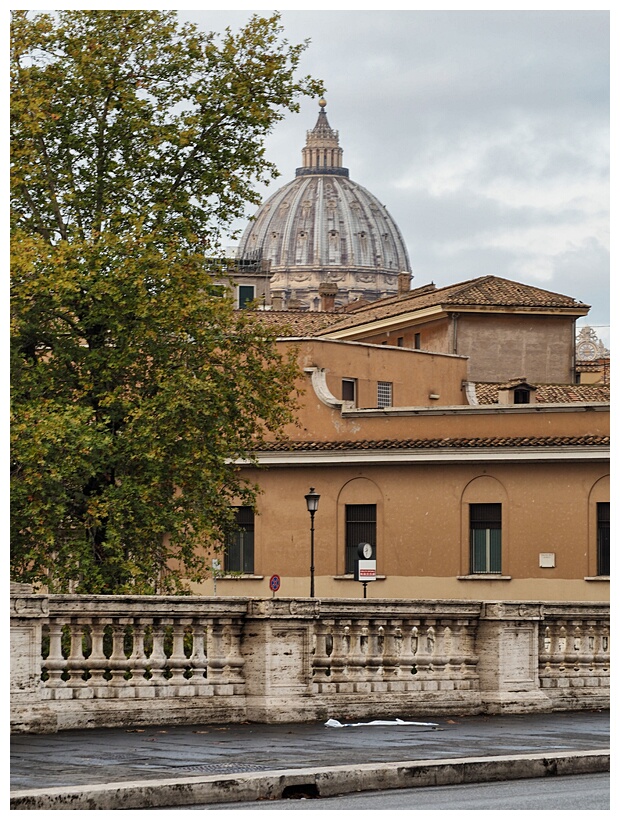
x=572 y=793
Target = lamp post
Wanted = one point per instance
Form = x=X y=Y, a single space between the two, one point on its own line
x=312 y=503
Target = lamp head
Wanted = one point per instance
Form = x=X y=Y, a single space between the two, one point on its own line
x=312 y=501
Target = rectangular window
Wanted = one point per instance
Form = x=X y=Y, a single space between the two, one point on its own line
x=400 y=341
x=485 y=528
x=239 y=554
x=602 y=538
x=246 y=295
x=348 y=390
x=360 y=526
x=384 y=394
x=417 y=342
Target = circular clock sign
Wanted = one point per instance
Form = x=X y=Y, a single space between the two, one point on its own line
x=364 y=551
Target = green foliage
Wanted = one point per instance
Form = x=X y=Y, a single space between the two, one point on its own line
x=135 y=385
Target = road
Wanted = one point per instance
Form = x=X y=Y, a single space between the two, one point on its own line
x=574 y=793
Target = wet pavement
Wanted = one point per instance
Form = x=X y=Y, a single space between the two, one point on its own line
x=96 y=756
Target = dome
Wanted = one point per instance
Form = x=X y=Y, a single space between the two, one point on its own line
x=324 y=229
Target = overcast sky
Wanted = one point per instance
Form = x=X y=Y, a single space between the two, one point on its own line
x=484 y=133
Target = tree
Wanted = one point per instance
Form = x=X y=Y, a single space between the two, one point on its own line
x=135 y=385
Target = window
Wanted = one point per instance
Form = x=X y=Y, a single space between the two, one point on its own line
x=348 y=390
x=400 y=341
x=384 y=394
x=246 y=295
x=417 y=342
x=239 y=554
x=360 y=525
x=602 y=538
x=485 y=528
x=522 y=396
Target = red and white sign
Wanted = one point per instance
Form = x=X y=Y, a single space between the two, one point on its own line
x=366 y=570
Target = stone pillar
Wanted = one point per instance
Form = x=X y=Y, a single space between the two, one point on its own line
x=276 y=648
x=507 y=648
x=28 y=613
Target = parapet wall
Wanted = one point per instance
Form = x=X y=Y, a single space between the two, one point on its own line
x=101 y=661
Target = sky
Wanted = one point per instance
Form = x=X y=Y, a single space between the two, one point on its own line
x=484 y=133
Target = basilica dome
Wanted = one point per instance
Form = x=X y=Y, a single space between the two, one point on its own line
x=324 y=232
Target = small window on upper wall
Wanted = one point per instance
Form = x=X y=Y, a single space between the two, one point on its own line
x=417 y=343
x=400 y=341
x=384 y=394
x=522 y=396
x=349 y=390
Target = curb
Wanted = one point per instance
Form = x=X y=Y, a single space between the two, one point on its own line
x=326 y=781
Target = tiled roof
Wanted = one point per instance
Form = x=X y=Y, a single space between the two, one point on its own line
x=491 y=291
x=437 y=443
x=296 y=322
x=487 y=392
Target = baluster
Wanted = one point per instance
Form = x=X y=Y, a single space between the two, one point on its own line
x=391 y=638
x=464 y=661
x=374 y=655
x=358 y=671
x=117 y=661
x=97 y=662
x=424 y=656
x=407 y=652
x=138 y=660
x=340 y=657
x=55 y=662
x=216 y=660
x=178 y=662
x=198 y=660
x=76 y=661
x=321 y=661
x=158 y=660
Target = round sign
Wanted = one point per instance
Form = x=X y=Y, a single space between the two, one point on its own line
x=364 y=550
x=274 y=583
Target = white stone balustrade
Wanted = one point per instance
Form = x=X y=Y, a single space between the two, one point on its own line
x=82 y=661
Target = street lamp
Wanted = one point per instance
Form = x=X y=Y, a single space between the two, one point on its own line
x=312 y=503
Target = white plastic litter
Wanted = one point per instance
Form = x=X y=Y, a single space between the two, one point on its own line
x=336 y=724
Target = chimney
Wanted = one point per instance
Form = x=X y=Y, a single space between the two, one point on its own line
x=404 y=283
x=327 y=292
x=277 y=300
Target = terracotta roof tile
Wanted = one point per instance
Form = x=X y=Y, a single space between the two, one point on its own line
x=487 y=392
x=436 y=443
x=491 y=291
x=296 y=322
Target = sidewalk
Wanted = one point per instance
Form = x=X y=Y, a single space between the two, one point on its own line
x=71 y=764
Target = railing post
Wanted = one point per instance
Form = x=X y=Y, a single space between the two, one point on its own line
x=28 y=614
x=507 y=646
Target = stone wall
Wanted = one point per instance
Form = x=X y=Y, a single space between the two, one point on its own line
x=102 y=661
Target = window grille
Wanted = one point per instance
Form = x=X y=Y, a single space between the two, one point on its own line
x=384 y=394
